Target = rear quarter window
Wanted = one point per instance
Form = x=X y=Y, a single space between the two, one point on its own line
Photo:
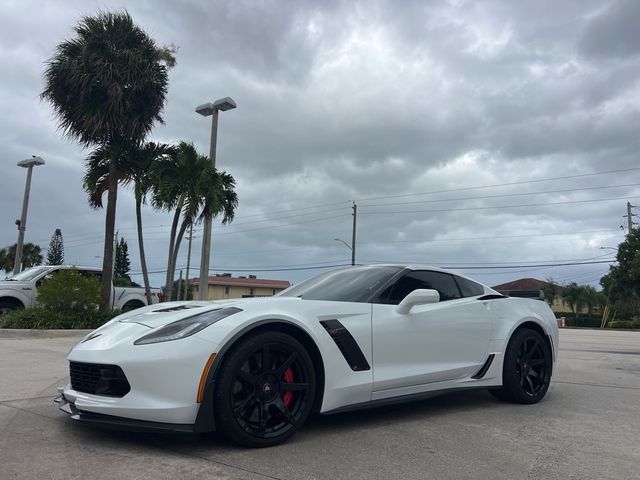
x=469 y=288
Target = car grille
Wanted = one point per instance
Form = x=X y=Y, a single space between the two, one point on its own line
x=98 y=379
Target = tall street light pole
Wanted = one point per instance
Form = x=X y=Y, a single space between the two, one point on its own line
x=210 y=109
x=29 y=163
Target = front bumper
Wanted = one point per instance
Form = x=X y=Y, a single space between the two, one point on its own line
x=163 y=382
x=118 y=423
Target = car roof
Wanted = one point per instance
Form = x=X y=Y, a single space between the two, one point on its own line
x=412 y=266
x=417 y=266
x=51 y=267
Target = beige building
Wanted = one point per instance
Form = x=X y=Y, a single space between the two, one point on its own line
x=223 y=286
x=532 y=287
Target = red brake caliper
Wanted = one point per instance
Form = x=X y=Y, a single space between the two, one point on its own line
x=287 y=397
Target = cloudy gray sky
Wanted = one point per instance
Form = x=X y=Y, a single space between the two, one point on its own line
x=470 y=134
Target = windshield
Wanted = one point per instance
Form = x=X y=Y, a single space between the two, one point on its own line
x=28 y=274
x=352 y=284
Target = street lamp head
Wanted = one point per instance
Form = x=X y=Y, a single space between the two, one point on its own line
x=225 y=104
x=222 y=104
x=205 y=109
x=31 y=162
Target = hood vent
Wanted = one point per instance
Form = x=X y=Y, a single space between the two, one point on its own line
x=177 y=308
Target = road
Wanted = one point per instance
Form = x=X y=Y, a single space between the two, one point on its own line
x=588 y=427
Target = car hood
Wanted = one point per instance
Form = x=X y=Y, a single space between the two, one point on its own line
x=160 y=314
x=13 y=285
x=164 y=313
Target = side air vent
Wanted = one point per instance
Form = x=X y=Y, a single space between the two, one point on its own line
x=482 y=372
x=346 y=344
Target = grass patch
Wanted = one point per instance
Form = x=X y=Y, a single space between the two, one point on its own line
x=44 y=318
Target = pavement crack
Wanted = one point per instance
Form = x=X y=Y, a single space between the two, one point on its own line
x=595 y=385
x=2 y=402
x=219 y=462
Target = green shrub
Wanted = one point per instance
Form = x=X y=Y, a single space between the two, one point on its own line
x=69 y=291
x=47 y=318
x=624 y=324
x=592 y=322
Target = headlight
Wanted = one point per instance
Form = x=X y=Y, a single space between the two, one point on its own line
x=186 y=327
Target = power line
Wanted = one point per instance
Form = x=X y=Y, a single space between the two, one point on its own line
x=528 y=266
x=502 y=195
x=383 y=212
x=528 y=235
x=456 y=267
x=523 y=182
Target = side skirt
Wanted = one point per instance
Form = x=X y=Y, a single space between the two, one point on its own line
x=401 y=399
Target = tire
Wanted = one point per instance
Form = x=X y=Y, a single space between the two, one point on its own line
x=127 y=307
x=526 y=371
x=258 y=403
x=8 y=307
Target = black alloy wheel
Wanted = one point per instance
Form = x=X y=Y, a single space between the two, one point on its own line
x=527 y=368
x=265 y=390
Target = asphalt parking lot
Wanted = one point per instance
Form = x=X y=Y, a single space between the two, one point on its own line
x=588 y=427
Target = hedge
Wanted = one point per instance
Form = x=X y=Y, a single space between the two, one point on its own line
x=624 y=324
x=42 y=318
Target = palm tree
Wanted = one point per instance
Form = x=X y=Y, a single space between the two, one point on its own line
x=573 y=296
x=135 y=166
x=188 y=185
x=174 y=176
x=590 y=298
x=31 y=256
x=107 y=86
x=214 y=195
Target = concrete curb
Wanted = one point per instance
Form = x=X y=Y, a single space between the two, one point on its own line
x=41 y=333
x=602 y=329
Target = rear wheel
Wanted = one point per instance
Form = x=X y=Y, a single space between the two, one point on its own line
x=265 y=390
x=132 y=305
x=526 y=372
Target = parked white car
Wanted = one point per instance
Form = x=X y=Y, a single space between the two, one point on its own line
x=21 y=290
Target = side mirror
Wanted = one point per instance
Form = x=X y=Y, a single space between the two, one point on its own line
x=417 y=297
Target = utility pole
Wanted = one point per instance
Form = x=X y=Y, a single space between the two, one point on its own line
x=353 y=236
x=113 y=269
x=179 y=286
x=629 y=216
x=186 y=290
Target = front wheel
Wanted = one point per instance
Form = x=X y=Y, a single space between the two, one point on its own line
x=265 y=390
x=526 y=372
x=6 y=307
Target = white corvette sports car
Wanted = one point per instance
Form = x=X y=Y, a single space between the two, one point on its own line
x=355 y=337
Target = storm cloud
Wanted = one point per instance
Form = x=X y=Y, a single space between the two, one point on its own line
x=378 y=102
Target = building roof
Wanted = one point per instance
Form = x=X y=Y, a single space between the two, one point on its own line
x=523 y=284
x=228 y=281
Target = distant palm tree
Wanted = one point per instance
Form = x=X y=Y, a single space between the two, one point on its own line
x=188 y=185
x=590 y=298
x=573 y=296
x=31 y=256
x=107 y=86
x=136 y=165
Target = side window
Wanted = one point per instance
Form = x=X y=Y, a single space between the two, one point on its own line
x=442 y=282
x=91 y=274
x=47 y=277
x=469 y=288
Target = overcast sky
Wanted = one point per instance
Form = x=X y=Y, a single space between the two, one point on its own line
x=405 y=107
